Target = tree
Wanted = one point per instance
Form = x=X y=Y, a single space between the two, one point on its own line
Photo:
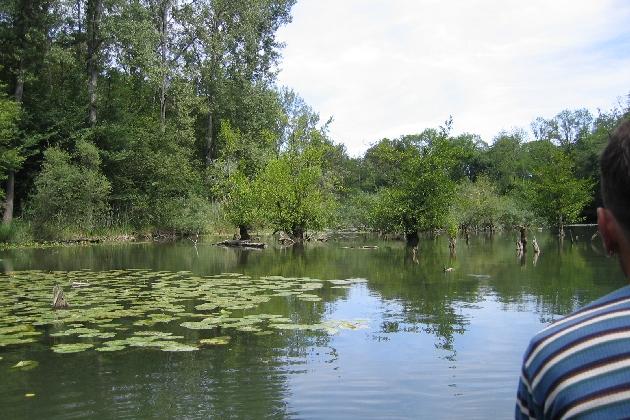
x=70 y=192
x=294 y=193
x=506 y=160
x=477 y=205
x=23 y=29
x=421 y=198
x=10 y=154
x=556 y=194
x=242 y=203
x=232 y=43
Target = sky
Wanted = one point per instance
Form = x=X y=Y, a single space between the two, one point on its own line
x=384 y=68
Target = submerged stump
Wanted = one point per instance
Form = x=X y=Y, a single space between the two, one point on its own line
x=535 y=245
x=59 y=299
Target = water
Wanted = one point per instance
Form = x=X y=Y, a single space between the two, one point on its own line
x=436 y=345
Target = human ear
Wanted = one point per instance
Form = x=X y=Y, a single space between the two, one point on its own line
x=608 y=229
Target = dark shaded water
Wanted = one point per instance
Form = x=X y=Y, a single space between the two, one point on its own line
x=437 y=345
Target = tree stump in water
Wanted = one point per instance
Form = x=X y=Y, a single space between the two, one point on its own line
x=59 y=299
x=535 y=245
x=523 y=231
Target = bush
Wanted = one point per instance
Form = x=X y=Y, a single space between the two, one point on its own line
x=70 y=197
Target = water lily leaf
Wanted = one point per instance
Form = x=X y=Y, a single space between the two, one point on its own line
x=26 y=364
x=153 y=333
x=110 y=348
x=71 y=348
x=9 y=341
x=248 y=328
x=197 y=325
x=29 y=395
x=216 y=341
x=206 y=307
x=175 y=346
x=15 y=329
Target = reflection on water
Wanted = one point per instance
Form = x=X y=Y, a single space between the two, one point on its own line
x=438 y=344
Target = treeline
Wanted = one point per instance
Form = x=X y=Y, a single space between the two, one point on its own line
x=434 y=180
x=163 y=116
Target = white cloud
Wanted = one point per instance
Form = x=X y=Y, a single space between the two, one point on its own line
x=392 y=67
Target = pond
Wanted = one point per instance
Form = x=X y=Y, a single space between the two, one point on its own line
x=332 y=330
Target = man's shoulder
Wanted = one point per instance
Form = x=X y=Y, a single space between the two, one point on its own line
x=590 y=317
x=581 y=355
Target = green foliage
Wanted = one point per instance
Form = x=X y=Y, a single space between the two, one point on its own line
x=293 y=192
x=556 y=194
x=420 y=199
x=356 y=210
x=69 y=196
x=11 y=157
x=192 y=133
x=242 y=203
x=507 y=160
x=478 y=204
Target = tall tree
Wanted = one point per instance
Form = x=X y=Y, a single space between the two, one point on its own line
x=556 y=194
x=231 y=43
x=23 y=32
x=94 y=16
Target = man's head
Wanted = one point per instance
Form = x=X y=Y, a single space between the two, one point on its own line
x=614 y=219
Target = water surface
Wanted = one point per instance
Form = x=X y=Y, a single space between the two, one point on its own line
x=431 y=344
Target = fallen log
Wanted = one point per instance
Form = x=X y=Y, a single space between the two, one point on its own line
x=237 y=243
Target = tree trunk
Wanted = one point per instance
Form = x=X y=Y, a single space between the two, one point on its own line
x=163 y=52
x=523 y=238
x=7 y=218
x=94 y=16
x=297 y=234
x=560 y=227
x=412 y=238
x=536 y=247
x=209 y=139
x=19 y=84
x=244 y=233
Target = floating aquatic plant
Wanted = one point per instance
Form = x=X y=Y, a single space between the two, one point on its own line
x=26 y=365
x=216 y=341
x=119 y=303
x=71 y=348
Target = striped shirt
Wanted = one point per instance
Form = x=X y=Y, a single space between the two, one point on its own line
x=579 y=366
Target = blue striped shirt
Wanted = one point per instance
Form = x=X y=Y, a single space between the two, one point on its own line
x=579 y=366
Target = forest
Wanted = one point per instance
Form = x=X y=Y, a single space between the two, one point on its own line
x=155 y=117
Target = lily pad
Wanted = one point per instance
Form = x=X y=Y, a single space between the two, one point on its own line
x=175 y=346
x=110 y=348
x=26 y=365
x=71 y=348
x=216 y=341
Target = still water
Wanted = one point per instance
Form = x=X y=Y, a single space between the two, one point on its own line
x=424 y=343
